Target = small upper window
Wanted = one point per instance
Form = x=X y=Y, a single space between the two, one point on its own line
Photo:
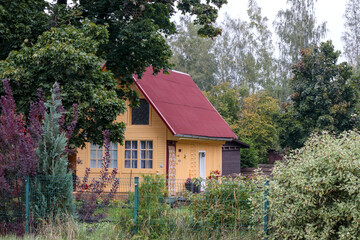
x=140 y=115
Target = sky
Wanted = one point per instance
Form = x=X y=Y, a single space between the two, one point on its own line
x=331 y=11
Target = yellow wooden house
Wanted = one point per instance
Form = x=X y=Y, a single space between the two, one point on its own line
x=175 y=132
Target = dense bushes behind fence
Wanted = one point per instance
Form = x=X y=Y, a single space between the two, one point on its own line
x=224 y=207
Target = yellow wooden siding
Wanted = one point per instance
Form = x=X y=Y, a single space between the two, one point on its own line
x=155 y=131
x=187 y=154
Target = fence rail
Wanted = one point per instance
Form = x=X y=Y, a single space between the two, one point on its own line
x=152 y=206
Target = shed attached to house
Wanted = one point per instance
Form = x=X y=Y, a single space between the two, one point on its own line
x=231 y=157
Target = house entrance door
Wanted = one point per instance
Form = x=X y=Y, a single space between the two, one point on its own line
x=202 y=164
x=202 y=168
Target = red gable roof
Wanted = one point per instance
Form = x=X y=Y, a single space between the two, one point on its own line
x=182 y=106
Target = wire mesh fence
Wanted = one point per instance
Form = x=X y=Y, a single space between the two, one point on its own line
x=151 y=206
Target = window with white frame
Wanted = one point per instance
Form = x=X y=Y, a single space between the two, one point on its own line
x=146 y=154
x=113 y=155
x=96 y=155
x=145 y=148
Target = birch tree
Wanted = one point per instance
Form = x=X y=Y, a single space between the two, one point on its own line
x=351 y=35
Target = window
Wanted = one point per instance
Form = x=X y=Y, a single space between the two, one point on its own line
x=96 y=155
x=131 y=154
x=113 y=155
x=132 y=148
x=146 y=154
x=140 y=115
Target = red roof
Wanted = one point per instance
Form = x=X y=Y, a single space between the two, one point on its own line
x=182 y=106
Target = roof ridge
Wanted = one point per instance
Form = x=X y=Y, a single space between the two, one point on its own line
x=180 y=72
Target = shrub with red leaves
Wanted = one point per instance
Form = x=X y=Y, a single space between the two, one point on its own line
x=17 y=161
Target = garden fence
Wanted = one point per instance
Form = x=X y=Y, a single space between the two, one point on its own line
x=153 y=206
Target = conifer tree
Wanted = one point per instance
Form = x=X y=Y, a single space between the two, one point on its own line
x=52 y=188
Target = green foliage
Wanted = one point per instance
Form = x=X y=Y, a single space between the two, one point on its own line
x=228 y=203
x=226 y=99
x=351 y=35
x=291 y=131
x=257 y=125
x=250 y=156
x=314 y=191
x=69 y=55
x=152 y=214
x=296 y=29
x=51 y=189
x=323 y=98
x=244 y=51
x=137 y=29
x=191 y=54
x=21 y=21
x=129 y=37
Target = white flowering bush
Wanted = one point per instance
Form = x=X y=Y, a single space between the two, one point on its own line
x=315 y=192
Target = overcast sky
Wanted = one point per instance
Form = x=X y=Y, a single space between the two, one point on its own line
x=331 y=11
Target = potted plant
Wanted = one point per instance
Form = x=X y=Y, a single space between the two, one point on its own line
x=215 y=174
x=188 y=184
x=197 y=184
x=193 y=185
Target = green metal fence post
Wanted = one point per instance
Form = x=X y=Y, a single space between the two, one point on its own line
x=27 y=203
x=136 y=204
x=266 y=204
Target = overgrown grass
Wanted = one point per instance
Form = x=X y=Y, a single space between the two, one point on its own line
x=230 y=209
x=177 y=223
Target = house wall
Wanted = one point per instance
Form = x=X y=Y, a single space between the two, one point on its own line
x=187 y=155
x=155 y=131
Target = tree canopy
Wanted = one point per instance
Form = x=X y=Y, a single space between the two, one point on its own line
x=43 y=43
x=296 y=29
x=351 y=35
x=323 y=98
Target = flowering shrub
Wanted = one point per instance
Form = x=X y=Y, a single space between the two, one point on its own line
x=315 y=192
x=214 y=174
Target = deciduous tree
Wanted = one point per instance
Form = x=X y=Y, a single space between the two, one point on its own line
x=21 y=21
x=69 y=55
x=226 y=99
x=192 y=54
x=296 y=29
x=132 y=37
x=256 y=125
x=323 y=98
x=351 y=36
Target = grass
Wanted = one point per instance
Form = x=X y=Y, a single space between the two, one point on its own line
x=175 y=224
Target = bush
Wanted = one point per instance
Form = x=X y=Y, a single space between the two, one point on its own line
x=153 y=214
x=315 y=192
x=228 y=203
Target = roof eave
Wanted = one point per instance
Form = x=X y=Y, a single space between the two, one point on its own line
x=203 y=137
